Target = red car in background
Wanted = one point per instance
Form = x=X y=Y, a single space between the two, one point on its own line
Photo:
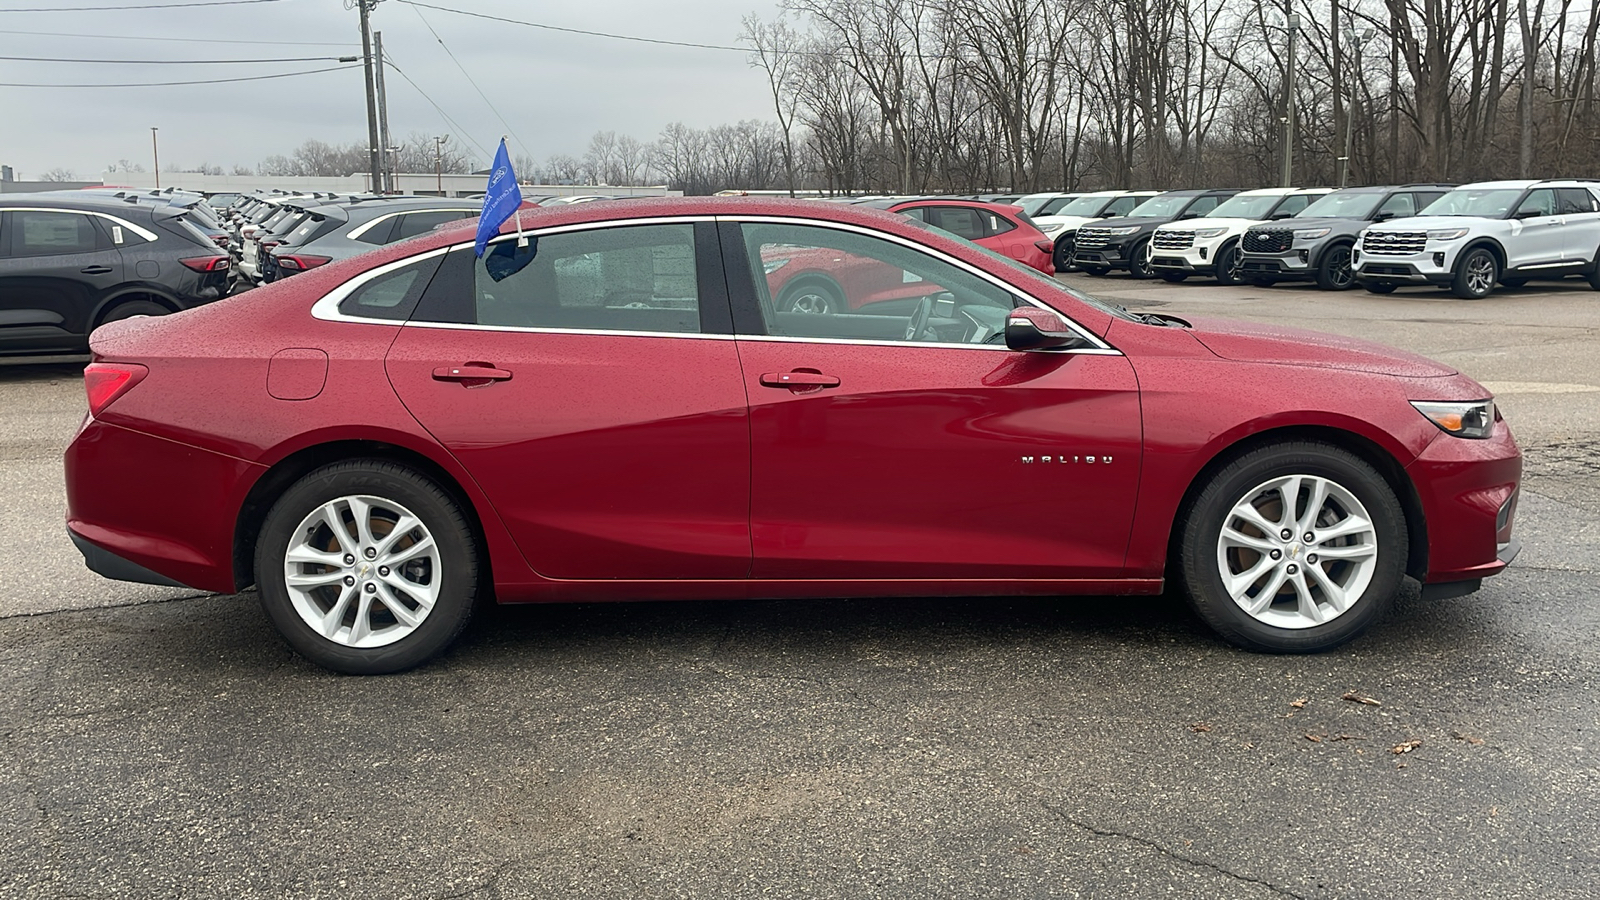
x=1006 y=230
x=618 y=408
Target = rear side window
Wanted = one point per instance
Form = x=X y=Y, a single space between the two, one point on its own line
x=1575 y=200
x=392 y=295
x=639 y=278
x=413 y=224
x=379 y=232
x=52 y=234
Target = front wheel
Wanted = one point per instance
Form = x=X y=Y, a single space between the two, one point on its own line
x=367 y=567
x=1514 y=282
x=1139 y=260
x=1230 y=265
x=1334 y=272
x=1475 y=275
x=1293 y=548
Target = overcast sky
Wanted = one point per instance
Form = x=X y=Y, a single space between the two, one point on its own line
x=554 y=89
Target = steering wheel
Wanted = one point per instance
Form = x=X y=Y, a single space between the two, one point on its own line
x=919 y=319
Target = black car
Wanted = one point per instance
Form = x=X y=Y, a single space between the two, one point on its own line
x=1125 y=243
x=1315 y=245
x=71 y=264
x=338 y=231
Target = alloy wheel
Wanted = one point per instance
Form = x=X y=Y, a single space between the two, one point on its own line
x=1480 y=274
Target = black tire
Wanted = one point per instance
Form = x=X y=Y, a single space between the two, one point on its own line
x=1228 y=260
x=1594 y=272
x=1514 y=282
x=1379 y=288
x=1139 y=260
x=1174 y=277
x=437 y=512
x=1200 y=551
x=1096 y=270
x=1333 y=270
x=1261 y=282
x=1062 y=257
x=812 y=295
x=1476 y=274
x=130 y=308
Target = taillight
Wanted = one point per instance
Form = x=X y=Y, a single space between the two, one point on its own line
x=105 y=382
x=299 y=262
x=270 y=244
x=206 y=263
x=1046 y=246
x=221 y=240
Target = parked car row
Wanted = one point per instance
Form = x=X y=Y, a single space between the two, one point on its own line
x=1466 y=238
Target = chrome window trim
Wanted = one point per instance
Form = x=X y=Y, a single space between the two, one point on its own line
x=356 y=232
x=145 y=233
x=327 y=307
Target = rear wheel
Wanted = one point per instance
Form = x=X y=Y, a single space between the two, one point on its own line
x=1095 y=270
x=1475 y=275
x=130 y=308
x=1514 y=282
x=1594 y=272
x=1293 y=548
x=1333 y=272
x=367 y=567
x=1378 y=288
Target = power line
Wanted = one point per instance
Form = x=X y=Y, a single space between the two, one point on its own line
x=180 y=62
x=179 y=40
x=37 y=9
x=615 y=37
x=474 y=84
x=454 y=125
x=177 y=83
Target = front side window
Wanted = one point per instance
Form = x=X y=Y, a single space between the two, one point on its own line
x=1541 y=202
x=826 y=283
x=1291 y=205
x=1399 y=206
x=1202 y=206
x=52 y=234
x=627 y=278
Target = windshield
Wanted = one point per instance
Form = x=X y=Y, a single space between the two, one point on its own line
x=1343 y=205
x=1164 y=206
x=1242 y=207
x=1088 y=207
x=1494 y=204
x=1034 y=275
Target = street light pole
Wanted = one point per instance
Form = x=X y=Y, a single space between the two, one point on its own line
x=1288 y=104
x=155 y=154
x=1356 y=41
x=438 y=164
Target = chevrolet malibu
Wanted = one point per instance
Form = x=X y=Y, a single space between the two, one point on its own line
x=616 y=407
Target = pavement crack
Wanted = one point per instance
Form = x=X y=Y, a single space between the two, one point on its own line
x=1169 y=853
x=90 y=609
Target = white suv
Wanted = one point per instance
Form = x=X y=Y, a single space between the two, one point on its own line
x=1062 y=226
x=1477 y=235
x=1209 y=245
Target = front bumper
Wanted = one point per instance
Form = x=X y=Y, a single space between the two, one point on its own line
x=1429 y=266
x=1468 y=490
x=1109 y=256
x=1199 y=259
x=1289 y=265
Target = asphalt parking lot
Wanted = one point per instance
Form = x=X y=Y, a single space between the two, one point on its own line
x=162 y=744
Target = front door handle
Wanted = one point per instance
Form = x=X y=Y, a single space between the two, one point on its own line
x=96 y=270
x=799 y=380
x=471 y=372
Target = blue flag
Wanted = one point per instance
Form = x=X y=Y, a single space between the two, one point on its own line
x=500 y=201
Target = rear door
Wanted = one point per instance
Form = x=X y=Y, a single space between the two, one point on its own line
x=903 y=440
x=1581 y=210
x=590 y=384
x=58 y=265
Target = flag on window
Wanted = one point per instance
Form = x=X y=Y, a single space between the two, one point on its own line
x=500 y=201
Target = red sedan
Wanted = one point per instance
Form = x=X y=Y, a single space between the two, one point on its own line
x=619 y=409
x=1006 y=230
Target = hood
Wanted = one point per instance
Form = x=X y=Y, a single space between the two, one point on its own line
x=1423 y=223
x=1251 y=342
x=1208 y=222
x=1142 y=221
x=1294 y=223
x=1067 y=222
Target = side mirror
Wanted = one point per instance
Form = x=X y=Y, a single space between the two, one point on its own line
x=1282 y=215
x=1032 y=328
x=1383 y=217
x=1526 y=214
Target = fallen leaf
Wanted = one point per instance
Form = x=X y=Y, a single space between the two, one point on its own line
x=1405 y=747
x=1354 y=697
x=1345 y=737
x=1314 y=738
x=1494 y=811
x=1474 y=741
x=1199 y=727
x=1301 y=703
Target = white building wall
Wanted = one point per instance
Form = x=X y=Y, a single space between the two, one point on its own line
x=422 y=183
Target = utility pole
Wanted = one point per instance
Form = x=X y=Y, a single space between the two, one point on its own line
x=1356 y=40
x=1288 y=104
x=383 y=118
x=155 y=154
x=438 y=163
x=374 y=147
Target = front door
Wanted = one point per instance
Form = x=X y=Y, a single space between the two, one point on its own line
x=1543 y=235
x=589 y=384
x=902 y=439
x=56 y=267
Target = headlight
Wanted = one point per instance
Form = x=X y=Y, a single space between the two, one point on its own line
x=1466 y=420
x=1307 y=234
x=1130 y=229
x=1052 y=227
x=1210 y=232
x=1447 y=234
x=773 y=265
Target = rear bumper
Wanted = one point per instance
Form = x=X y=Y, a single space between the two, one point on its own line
x=109 y=565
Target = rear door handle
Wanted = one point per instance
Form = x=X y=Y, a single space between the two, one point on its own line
x=470 y=373
x=799 y=380
x=96 y=270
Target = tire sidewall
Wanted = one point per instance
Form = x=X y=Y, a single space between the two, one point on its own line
x=441 y=517
x=812 y=285
x=1459 y=286
x=1325 y=268
x=1139 y=260
x=1225 y=262
x=1203 y=527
